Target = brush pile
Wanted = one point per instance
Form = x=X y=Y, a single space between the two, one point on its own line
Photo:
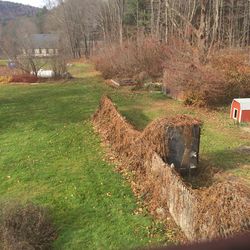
x=220 y=210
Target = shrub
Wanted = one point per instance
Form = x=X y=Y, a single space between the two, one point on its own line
x=5 y=79
x=59 y=65
x=224 y=77
x=26 y=227
x=26 y=78
x=235 y=65
x=141 y=60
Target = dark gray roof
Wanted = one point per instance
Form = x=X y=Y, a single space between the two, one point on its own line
x=44 y=41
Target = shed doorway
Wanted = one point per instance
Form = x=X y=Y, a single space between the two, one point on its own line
x=235 y=113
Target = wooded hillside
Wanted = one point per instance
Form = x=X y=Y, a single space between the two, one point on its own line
x=9 y=10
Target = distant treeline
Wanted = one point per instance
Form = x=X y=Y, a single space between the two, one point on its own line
x=204 y=24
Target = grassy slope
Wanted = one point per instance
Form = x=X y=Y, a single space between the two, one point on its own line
x=3 y=62
x=49 y=154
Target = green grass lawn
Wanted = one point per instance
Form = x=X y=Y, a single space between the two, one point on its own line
x=49 y=154
x=3 y=62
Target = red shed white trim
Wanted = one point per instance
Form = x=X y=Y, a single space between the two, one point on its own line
x=240 y=110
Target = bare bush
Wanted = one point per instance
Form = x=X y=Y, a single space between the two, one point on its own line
x=224 y=77
x=26 y=227
x=235 y=65
x=24 y=78
x=141 y=60
x=59 y=65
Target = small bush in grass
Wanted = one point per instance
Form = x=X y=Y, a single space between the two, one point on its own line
x=26 y=227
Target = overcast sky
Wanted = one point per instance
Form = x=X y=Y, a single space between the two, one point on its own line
x=37 y=3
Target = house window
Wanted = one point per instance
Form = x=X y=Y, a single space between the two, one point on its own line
x=235 y=114
x=40 y=51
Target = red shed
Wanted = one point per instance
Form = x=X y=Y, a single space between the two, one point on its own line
x=240 y=110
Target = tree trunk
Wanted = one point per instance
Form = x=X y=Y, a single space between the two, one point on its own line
x=166 y=20
x=202 y=32
x=152 y=16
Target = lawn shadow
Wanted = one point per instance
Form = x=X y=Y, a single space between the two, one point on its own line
x=136 y=117
x=228 y=159
x=224 y=162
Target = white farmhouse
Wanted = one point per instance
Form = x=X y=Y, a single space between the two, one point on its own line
x=42 y=45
